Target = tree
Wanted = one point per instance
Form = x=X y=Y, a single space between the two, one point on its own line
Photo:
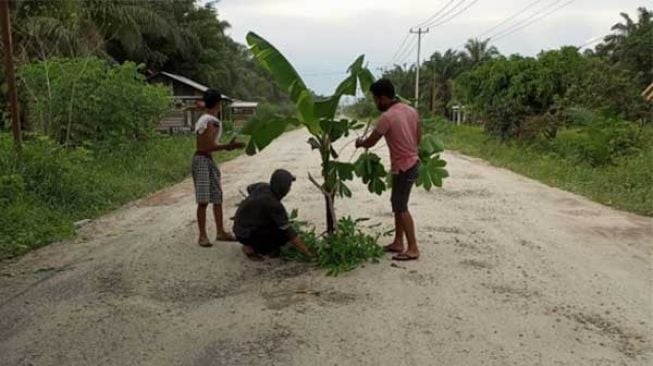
x=443 y=68
x=318 y=116
x=477 y=51
x=630 y=46
x=179 y=36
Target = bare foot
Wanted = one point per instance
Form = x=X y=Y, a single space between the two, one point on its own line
x=251 y=254
x=224 y=236
x=394 y=248
x=204 y=242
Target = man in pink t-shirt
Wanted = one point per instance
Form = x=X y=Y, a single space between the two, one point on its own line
x=400 y=125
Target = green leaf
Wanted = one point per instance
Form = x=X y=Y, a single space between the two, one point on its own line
x=356 y=66
x=366 y=79
x=251 y=148
x=286 y=76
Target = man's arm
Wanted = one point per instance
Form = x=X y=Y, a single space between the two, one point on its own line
x=280 y=218
x=232 y=145
x=299 y=244
x=370 y=141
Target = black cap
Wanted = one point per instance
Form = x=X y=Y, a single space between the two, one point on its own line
x=211 y=98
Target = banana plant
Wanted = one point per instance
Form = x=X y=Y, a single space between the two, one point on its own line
x=318 y=116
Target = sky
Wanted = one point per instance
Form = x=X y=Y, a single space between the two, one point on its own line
x=322 y=37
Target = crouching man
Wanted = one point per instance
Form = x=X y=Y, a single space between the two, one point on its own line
x=261 y=222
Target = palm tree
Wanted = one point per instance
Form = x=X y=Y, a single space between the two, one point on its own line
x=443 y=68
x=630 y=45
x=624 y=29
x=477 y=51
x=84 y=27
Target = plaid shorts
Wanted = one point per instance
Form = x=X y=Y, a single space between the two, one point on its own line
x=206 y=177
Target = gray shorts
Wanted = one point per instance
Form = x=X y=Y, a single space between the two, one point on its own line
x=206 y=178
x=402 y=184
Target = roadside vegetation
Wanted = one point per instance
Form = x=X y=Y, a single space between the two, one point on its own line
x=88 y=115
x=573 y=161
x=571 y=119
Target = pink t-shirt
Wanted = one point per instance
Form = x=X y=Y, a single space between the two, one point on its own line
x=400 y=126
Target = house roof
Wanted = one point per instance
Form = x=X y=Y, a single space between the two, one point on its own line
x=243 y=104
x=184 y=80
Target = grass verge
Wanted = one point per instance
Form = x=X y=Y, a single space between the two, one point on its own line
x=625 y=184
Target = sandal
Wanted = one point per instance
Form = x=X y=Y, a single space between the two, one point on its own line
x=403 y=257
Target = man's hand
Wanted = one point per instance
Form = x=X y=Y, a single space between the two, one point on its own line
x=234 y=145
x=297 y=242
x=359 y=142
x=370 y=141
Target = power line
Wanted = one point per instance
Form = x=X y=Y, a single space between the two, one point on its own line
x=521 y=22
x=410 y=51
x=407 y=51
x=509 y=18
x=535 y=20
x=401 y=46
x=400 y=54
x=591 y=42
x=437 y=24
x=516 y=24
x=441 y=13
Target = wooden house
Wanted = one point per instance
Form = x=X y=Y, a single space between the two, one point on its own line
x=240 y=111
x=185 y=106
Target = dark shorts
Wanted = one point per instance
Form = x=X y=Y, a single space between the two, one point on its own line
x=402 y=184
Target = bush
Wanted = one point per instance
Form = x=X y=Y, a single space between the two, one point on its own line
x=599 y=143
x=346 y=249
x=82 y=101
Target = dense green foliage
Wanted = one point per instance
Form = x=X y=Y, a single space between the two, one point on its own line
x=50 y=187
x=570 y=161
x=318 y=115
x=86 y=100
x=346 y=249
x=505 y=92
x=179 y=36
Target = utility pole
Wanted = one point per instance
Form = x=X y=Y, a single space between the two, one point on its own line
x=5 y=24
x=419 y=33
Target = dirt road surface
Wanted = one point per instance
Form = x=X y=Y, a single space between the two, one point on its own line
x=512 y=273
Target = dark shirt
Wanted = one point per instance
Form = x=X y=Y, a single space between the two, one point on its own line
x=261 y=213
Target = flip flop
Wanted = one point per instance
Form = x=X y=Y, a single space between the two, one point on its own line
x=227 y=237
x=404 y=257
x=388 y=249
